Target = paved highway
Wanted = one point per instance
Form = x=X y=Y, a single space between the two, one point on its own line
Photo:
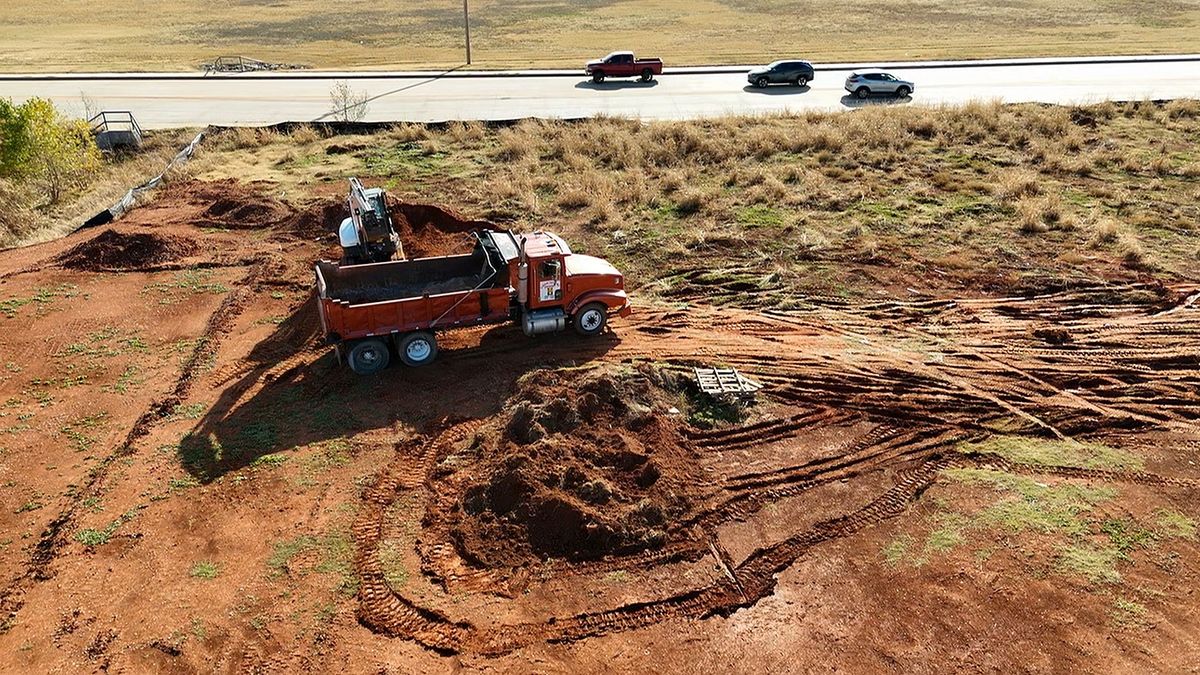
x=190 y=99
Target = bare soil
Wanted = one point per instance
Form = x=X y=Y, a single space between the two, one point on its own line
x=191 y=483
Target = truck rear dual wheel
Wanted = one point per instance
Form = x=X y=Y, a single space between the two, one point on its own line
x=591 y=319
x=368 y=357
x=417 y=349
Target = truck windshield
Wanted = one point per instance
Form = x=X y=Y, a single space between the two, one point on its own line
x=505 y=244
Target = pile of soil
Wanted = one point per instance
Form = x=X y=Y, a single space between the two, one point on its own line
x=113 y=249
x=575 y=468
x=245 y=211
x=427 y=230
x=321 y=217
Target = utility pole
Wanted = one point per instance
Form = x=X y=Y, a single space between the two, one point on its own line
x=467 y=26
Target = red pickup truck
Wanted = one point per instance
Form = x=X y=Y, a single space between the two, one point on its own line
x=622 y=64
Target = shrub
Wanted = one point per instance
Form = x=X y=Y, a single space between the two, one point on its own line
x=1014 y=183
x=690 y=201
x=1039 y=214
x=43 y=149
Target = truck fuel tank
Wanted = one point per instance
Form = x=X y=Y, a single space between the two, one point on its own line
x=541 y=321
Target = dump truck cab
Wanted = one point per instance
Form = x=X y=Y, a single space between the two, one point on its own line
x=556 y=286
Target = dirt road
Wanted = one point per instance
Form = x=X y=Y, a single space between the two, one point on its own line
x=191 y=483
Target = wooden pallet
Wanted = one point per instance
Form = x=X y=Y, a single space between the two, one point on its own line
x=725 y=382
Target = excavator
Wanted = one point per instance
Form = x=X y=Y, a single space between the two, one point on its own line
x=368 y=235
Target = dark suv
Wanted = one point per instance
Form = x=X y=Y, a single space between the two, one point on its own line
x=798 y=73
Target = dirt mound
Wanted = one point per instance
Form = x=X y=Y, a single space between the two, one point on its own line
x=425 y=230
x=428 y=230
x=245 y=209
x=113 y=249
x=321 y=217
x=574 y=469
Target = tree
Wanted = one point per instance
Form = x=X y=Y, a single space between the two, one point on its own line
x=42 y=148
x=348 y=105
x=16 y=144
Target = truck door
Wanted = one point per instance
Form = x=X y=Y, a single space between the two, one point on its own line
x=549 y=283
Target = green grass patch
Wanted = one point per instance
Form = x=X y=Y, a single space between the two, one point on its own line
x=190 y=411
x=410 y=160
x=271 y=461
x=184 y=483
x=77 y=430
x=1054 y=452
x=106 y=342
x=391 y=559
x=1032 y=505
x=205 y=570
x=41 y=299
x=760 y=216
x=128 y=379
x=93 y=538
x=1175 y=524
x=185 y=284
x=895 y=552
x=1127 y=536
x=333 y=552
x=948 y=533
x=1128 y=613
x=708 y=412
x=1096 y=564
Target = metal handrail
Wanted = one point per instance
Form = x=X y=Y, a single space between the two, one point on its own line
x=101 y=122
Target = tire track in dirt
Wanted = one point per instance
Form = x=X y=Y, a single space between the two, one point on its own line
x=983 y=369
x=751 y=580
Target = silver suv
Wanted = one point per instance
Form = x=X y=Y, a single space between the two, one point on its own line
x=864 y=83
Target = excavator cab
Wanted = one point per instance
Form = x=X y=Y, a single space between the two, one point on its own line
x=368 y=236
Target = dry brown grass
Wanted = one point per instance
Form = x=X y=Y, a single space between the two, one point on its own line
x=1017 y=183
x=888 y=193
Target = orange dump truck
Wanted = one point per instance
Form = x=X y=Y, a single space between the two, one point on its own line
x=372 y=312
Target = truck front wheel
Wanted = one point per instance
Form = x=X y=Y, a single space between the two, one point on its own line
x=591 y=319
x=368 y=357
x=417 y=349
x=598 y=76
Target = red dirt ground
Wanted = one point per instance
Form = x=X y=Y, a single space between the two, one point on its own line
x=191 y=483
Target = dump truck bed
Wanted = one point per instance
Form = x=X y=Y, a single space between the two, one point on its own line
x=422 y=294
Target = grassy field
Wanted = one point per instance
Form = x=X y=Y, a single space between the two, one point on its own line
x=122 y=35
x=980 y=197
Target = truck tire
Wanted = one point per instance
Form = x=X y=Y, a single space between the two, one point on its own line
x=368 y=357
x=591 y=319
x=647 y=74
x=598 y=76
x=417 y=349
